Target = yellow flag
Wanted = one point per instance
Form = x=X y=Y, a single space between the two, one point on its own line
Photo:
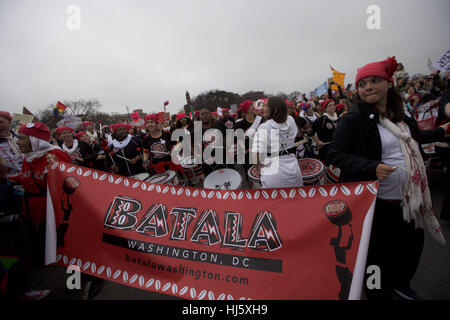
x=338 y=77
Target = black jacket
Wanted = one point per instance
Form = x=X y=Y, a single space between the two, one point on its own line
x=356 y=144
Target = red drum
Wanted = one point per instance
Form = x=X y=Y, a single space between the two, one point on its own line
x=337 y=212
x=254 y=179
x=332 y=174
x=193 y=172
x=312 y=171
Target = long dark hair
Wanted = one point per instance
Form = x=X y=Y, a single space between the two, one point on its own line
x=178 y=123
x=278 y=109
x=394 y=105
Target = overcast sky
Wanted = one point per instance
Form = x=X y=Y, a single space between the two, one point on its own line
x=139 y=53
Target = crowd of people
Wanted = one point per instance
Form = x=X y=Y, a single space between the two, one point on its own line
x=368 y=134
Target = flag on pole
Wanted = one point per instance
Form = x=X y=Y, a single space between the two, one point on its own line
x=322 y=89
x=338 y=77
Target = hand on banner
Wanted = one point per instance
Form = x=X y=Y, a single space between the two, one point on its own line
x=446 y=128
x=383 y=171
x=135 y=159
x=320 y=144
x=114 y=169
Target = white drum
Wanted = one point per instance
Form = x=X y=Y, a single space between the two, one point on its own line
x=141 y=176
x=193 y=172
x=167 y=177
x=225 y=179
x=254 y=178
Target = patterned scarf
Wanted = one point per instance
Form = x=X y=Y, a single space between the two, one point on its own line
x=417 y=204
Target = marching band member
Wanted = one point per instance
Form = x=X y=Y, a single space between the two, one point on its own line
x=90 y=130
x=70 y=145
x=279 y=170
x=124 y=158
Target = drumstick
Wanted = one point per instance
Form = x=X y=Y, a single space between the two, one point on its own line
x=122 y=157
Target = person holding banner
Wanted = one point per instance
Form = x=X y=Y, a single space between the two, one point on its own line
x=280 y=169
x=92 y=154
x=34 y=143
x=124 y=158
x=378 y=141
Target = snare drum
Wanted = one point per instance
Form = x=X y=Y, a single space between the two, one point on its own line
x=225 y=179
x=141 y=176
x=332 y=174
x=193 y=172
x=312 y=171
x=167 y=177
x=254 y=179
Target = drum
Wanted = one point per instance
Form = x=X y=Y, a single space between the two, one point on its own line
x=337 y=212
x=141 y=176
x=193 y=172
x=332 y=174
x=254 y=179
x=312 y=171
x=167 y=177
x=225 y=179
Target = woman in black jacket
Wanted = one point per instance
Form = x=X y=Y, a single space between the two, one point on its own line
x=373 y=142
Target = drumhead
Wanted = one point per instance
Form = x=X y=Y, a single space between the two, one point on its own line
x=252 y=173
x=223 y=179
x=311 y=168
x=162 y=177
x=140 y=176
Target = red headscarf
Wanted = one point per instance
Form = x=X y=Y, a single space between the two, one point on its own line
x=384 y=69
x=325 y=103
x=6 y=115
x=79 y=134
x=246 y=105
x=153 y=117
x=116 y=126
x=61 y=129
x=38 y=130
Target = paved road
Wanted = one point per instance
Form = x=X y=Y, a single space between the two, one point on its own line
x=431 y=282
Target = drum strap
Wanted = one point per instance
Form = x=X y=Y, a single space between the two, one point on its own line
x=288 y=151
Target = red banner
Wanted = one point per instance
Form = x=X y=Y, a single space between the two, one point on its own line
x=293 y=243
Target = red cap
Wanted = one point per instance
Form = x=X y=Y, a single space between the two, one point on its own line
x=6 y=115
x=37 y=130
x=87 y=122
x=153 y=117
x=197 y=113
x=79 y=134
x=384 y=69
x=61 y=129
x=118 y=125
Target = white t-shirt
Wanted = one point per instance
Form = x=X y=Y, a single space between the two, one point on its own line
x=391 y=188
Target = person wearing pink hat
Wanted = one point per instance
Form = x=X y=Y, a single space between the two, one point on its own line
x=378 y=141
x=156 y=144
x=9 y=151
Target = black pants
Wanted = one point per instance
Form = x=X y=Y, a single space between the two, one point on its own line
x=395 y=247
x=14 y=243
